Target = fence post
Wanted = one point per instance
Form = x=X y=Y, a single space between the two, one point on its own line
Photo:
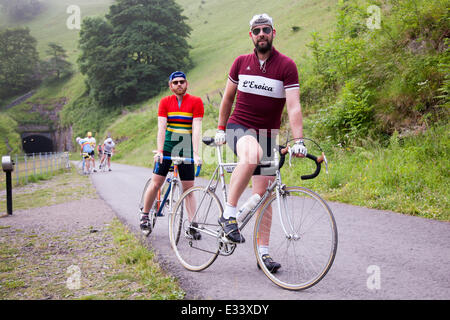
x=17 y=168
x=26 y=167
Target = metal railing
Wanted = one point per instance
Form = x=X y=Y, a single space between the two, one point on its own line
x=32 y=164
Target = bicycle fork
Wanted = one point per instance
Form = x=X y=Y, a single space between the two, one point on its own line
x=285 y=220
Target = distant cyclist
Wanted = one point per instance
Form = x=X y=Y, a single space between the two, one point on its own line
x=86 y=151
x=93 y=143
x=108 y=150
x=179 y=130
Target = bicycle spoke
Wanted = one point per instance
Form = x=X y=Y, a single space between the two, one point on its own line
x=194 y=240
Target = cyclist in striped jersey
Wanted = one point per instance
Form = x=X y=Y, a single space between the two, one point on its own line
x=179 y=130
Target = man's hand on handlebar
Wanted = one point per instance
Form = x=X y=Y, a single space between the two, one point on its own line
x=158 y=157
x=299 y=149
x=197 y=160
x=219 y=139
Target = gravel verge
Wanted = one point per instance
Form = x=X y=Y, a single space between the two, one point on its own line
x=75 y=250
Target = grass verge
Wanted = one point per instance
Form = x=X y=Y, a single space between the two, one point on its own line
x=84 y=257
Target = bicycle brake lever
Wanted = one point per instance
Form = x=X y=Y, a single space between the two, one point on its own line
x=290 y=156
x=326 y=162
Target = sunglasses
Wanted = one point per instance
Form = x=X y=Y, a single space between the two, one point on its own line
x=266 y=30
x=176 y=82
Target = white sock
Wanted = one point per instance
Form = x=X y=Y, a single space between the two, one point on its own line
x=263 y=250
x=229 y=211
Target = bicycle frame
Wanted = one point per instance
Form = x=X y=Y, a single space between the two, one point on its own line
x=171 y=180
x=218 y=177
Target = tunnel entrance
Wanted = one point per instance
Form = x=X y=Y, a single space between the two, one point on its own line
x=37 y=143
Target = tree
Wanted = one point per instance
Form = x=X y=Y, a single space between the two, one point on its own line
x=128 y=56
x=18 y=61
x=57 y=66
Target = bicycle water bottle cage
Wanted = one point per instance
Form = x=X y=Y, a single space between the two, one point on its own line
x=229 y=169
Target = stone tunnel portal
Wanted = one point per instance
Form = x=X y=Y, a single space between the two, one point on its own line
x=36 y=143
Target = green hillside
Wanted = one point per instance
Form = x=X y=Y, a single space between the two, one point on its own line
x=220 y=33
x=215 y=45
x=50 y=24
x=375 y=167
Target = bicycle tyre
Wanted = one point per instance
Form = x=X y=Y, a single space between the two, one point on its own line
x=196 y=254
x=308 y=254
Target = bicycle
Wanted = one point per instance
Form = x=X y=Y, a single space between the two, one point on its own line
x=81 y=165
x=171 y=191
x=104 y=162
x=303 y=238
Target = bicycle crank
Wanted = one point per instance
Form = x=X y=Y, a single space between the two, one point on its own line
x=226 y=247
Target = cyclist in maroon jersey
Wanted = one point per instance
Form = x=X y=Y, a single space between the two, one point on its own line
x=262 y=82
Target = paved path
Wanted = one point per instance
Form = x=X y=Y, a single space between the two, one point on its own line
x=410 y=255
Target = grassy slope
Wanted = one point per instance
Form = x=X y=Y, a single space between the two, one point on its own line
x=50 y=24
x=220 y=34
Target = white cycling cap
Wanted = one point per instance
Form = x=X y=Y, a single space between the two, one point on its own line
x=261 y=19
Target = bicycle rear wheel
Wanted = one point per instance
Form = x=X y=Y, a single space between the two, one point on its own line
x=306 y=246
x=192 y=218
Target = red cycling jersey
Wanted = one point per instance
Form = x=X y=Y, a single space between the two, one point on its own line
x=262 y=89
x=179 y=122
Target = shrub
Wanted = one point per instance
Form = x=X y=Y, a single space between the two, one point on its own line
x=350 y=119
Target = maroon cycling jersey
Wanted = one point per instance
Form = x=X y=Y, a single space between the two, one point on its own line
x=262 y=89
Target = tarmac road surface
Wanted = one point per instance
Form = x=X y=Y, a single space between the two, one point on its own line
x=381 y=254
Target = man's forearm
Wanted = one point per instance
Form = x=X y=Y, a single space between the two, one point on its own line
x=227 y=104
x=224 y=112
x=196 y=135
x=294 y=110
x=296 y=122
x=162 y=124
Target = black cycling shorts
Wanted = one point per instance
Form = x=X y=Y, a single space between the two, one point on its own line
x=185 y=170
x=236 y=131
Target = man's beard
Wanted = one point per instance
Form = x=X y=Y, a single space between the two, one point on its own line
x=182 y=91
x=264 y=49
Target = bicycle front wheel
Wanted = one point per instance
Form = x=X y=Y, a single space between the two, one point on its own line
x=194 y=229
x=301 y=232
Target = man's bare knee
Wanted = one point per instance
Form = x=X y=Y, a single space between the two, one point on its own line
x=248 y=150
